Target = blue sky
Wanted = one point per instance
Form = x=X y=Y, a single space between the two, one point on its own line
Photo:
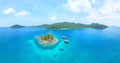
x=37 y=12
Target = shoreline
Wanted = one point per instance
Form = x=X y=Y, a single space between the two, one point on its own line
x=45 y=43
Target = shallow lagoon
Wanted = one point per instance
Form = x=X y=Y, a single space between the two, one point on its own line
x=86 y=46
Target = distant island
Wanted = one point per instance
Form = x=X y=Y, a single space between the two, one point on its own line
x=47 y=40
x=17 y=26
x=68 y=25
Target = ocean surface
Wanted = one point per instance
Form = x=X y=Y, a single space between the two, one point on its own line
x=85 y=46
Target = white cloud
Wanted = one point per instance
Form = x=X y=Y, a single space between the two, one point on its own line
x=53 y=18
x=93 y=1
x=22 y=13
x=9 y=11
x=107 y=14
x=14 y=12
x=77 y=5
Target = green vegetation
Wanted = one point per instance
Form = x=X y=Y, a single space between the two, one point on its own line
x=40 y=25
x=47 y=37
x=47 y=40
x=17 y=26
x=97 y=26
x=67 y=25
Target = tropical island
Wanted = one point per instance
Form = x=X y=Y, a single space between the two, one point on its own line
x=17 y=26
x=47 y=40
x=69 y=25
x=66 y=26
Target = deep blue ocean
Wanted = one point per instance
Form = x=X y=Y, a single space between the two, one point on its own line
x=85 y=46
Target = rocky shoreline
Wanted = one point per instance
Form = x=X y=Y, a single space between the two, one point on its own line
x=52 y=42
x=47 y=43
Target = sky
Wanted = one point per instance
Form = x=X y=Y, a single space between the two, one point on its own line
x=38 y=12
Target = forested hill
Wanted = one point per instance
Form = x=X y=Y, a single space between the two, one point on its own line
x=68 y=25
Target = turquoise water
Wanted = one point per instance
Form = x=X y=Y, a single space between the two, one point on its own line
x=86 y=46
